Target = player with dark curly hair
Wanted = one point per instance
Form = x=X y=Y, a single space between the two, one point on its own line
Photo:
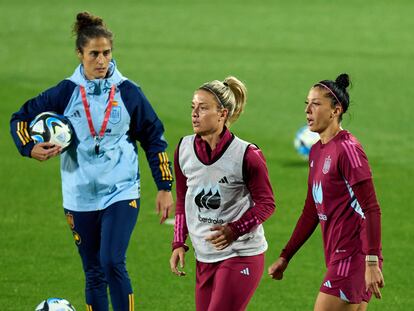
x=100 y=175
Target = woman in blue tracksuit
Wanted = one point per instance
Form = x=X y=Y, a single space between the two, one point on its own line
x=100 y=176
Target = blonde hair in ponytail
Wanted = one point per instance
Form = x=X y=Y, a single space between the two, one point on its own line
x=231 y=94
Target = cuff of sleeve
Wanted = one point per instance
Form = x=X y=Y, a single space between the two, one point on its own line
x=285 y=255
x=179 y=244
x=235 y=230
x=375 y=252
x=27 y=149
x=164 y=185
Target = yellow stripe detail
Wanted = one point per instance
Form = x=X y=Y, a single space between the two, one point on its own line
x=167 y=167
x=89 y=308
x=21 y=138
x=20 y=132
x=131 y=302
x=161 y=166
x=26 y=132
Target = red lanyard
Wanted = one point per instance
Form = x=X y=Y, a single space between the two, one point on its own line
x=96 y=137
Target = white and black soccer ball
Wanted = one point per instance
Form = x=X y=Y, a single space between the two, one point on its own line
x=304 y=140
x=51 y=127
x=55 y=304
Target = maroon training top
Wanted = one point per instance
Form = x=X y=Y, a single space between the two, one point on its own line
x=341 y=197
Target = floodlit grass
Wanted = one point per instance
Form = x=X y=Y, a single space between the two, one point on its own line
x=279 y=49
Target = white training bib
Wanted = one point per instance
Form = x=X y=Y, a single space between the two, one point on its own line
x=217 y=194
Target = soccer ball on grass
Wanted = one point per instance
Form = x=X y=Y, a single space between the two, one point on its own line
x=55 y=304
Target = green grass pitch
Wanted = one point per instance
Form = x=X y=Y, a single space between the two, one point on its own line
x=279 y=49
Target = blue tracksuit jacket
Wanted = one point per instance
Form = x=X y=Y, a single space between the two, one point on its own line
x=93 y=181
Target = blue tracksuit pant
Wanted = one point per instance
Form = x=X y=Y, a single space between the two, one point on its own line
x=102 y=239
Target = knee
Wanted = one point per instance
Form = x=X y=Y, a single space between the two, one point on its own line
x=94 y=277
x=112 y=264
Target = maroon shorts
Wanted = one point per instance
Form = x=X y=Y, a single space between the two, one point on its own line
x=228 y=284
x=346 y=279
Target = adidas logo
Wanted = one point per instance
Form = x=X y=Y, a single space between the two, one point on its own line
x=245 y=271
x=133 y=203
x=311 y=165
x=76 y=114
x=223 y=180
x=327 y=284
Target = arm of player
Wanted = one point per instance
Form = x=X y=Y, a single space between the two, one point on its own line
x=276 y=270
x=180 y=224
x=354 y=166
x=365 y=194
x=164 y=204
x=148 y=129
x=178 y=256
x=54 y=99
x=257 y=180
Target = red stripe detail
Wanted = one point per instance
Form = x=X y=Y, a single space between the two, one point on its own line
x=344 y=267
x=179 y=228
x=356 y=154
x=339 y=268
x=349 y=154
x=348 y=266
x=176 y=227
x=181 y=232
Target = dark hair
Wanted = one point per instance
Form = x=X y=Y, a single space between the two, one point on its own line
x=87 y=27
x=337 y=90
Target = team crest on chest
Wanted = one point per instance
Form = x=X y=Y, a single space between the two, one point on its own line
x=326 y=164
x=115 y=116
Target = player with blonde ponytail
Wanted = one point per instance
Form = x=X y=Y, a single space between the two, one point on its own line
x=223 y=197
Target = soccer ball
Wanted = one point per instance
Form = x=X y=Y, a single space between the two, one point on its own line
x=53 y=128
x=304 y=140
x=55 y=304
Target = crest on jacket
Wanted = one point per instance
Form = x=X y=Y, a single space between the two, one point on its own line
x=115 y=116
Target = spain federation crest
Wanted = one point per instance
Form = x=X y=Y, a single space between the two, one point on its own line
x=326 y=165
x=115 y=113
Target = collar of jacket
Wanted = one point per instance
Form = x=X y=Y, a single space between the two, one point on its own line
x=98 y=86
